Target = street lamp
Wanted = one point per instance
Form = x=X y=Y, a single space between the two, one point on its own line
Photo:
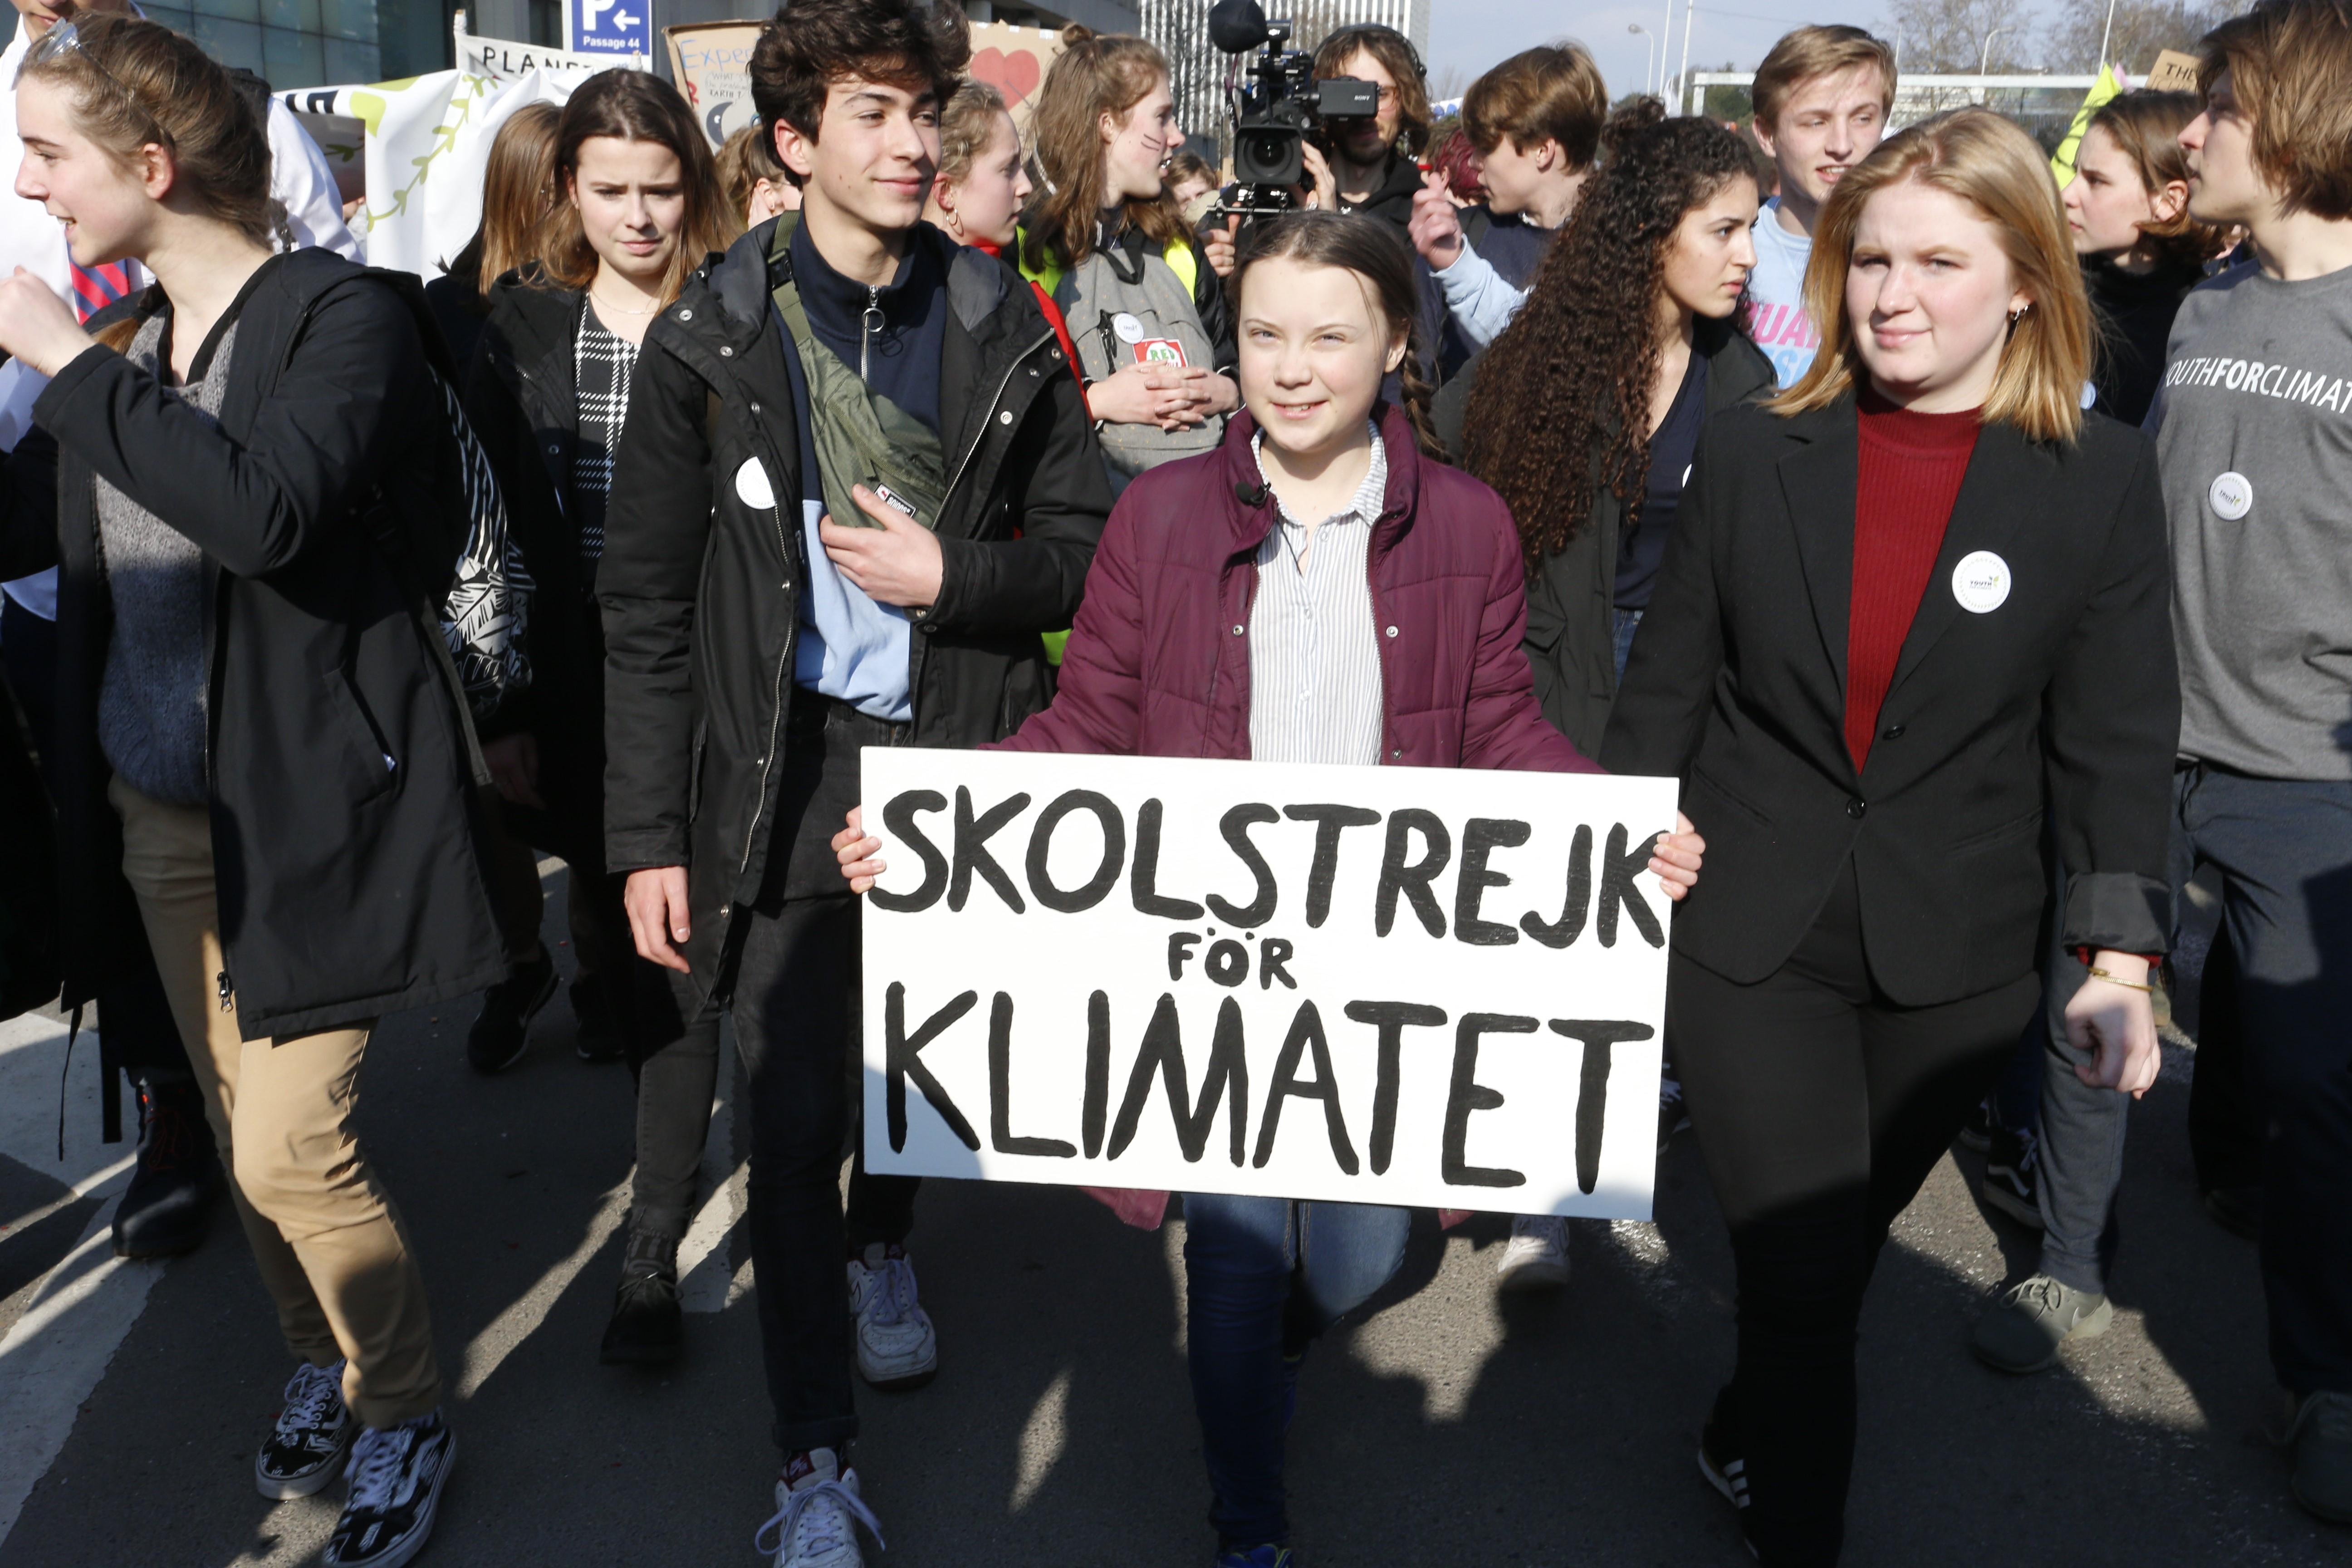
x=1665 y=44
x=1984 y=56
x=1682 y=76
x=1650 y=41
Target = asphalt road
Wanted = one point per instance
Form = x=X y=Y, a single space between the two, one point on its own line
x=1447 y=1427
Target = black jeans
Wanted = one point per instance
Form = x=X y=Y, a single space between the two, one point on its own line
x=1820 y=1106
x=791 y=979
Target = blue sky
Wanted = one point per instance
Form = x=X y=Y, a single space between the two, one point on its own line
x=1471 y=35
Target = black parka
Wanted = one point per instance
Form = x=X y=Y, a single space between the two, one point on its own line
x=345 y=821
x=703 y=561
x=1570 y=637
x=523 y=400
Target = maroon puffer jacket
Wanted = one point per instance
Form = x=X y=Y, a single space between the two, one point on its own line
x=1158 y=664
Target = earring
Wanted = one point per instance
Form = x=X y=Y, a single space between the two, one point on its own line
x=2016 y=315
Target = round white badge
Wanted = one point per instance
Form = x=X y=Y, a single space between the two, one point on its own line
x=2232 y=496
x=1129 y=329
x=2090 y=394
x=1980 y=581
x=752 y=486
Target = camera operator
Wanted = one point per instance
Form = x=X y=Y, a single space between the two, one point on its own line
x=1370 y=162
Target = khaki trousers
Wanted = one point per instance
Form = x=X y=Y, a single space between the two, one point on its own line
x=330 y=1245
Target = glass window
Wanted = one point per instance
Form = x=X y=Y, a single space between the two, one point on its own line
x=296 y=59
x=353 y=20
x=232 y=43
x=300 y=15
x=348 y=62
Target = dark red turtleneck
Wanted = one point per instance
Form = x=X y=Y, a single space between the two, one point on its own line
x=1910 y=473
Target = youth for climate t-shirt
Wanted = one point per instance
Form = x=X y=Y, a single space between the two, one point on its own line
x=2253 y=423
x=1776 y=315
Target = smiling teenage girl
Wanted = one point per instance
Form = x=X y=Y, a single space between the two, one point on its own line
x=252 y=688
x=1323 y=509
x=1110 y=245
x=1911 y=601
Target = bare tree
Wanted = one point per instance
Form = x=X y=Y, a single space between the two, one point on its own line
x=1950 y=36
x=2142 y=28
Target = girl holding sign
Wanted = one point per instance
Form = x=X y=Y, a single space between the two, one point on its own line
x=1912 y=606
x=1320 y=502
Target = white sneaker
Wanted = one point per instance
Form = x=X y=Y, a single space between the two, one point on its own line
x=816 y=1518
x=1536 y=1258
x=896 y=1346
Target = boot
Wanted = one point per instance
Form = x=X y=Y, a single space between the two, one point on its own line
x=162 y=1212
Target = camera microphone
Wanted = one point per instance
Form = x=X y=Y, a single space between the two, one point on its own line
x=1251 y=495
x=1236 y=27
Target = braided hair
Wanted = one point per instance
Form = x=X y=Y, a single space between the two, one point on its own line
x=1562 y=405
x=1370 y=251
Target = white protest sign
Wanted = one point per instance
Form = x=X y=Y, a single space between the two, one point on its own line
x=1398 y=985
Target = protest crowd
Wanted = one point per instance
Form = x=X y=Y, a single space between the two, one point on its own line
x=1973 y=550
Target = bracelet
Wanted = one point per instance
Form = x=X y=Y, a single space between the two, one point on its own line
x=2098 y=973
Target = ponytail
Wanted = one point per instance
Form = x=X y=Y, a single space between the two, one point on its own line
x=136 y=84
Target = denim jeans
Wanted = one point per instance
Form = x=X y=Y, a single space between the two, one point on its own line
x=2283 y=848
x=1263 y=1278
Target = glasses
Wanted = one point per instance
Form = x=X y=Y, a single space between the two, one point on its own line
x=64 y=38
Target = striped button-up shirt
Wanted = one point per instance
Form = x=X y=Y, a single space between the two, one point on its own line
x=1315 y=654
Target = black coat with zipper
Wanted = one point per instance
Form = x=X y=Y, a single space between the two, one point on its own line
x=345 y=822
x=523 y=400
x=703 y=561
x=1572 y=595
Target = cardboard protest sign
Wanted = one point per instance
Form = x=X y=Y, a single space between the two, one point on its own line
x=1013 y=59
x=504 y=60
x=711 y=63
x=1397 y=985
x=2173 y=73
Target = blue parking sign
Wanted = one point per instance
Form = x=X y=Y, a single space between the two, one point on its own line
x=610 y=26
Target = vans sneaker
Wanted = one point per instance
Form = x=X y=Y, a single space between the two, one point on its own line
x=817 y=1514
x=397 y=1474
x=1266 y=1556
x=1725 y=1466
x=896 y=1346
x=314 y=1431
x=2012 y=1181
x=1537 y=1258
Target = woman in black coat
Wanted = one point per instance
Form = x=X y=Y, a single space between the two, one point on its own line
x=261 y=501
x=1913 y=607
x=638 y=208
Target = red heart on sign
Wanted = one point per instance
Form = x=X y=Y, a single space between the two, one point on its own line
x=1013 y=75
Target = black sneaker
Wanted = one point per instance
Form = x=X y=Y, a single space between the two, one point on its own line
x=648 y=1326
x=2012 y=1180
x=502 y=1031
x=305 y=1452
x=599 y=1037
x=1674 y=1115
x=397 y=1474
x=164 y=1212
x=1724 y=1465
x=1976 y=1133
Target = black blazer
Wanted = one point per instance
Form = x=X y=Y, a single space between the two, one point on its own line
x=2064 y=696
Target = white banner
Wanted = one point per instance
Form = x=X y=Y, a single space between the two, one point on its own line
x=1397 y=985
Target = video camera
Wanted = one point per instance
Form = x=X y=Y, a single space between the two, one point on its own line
x=1277 y=109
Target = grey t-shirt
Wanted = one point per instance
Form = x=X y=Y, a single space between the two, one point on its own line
x=2253 y=432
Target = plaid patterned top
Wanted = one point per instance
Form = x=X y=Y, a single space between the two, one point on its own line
x=1314 y=654
x=601 y=365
